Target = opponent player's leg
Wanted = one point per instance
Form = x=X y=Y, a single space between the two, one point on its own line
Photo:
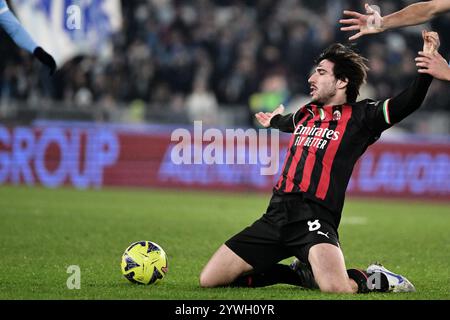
x=330 y=273
x=223 y=268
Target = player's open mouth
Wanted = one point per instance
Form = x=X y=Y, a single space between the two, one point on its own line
x=312 y=90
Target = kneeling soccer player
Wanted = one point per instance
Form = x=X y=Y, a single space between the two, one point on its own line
x=329 y=134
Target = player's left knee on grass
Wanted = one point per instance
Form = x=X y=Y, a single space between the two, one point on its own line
x=206 y=281
x=210 y=278
x=223 y=268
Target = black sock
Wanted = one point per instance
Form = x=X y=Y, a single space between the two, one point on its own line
x=361 y=278
x=278 y=273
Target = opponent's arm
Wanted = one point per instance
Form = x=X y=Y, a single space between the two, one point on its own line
x=433 y=64
x=23 y=39
x=15 y=30
x=372 y=22
x=416 y=13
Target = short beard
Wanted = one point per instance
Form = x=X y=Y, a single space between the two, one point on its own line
x=322 y=101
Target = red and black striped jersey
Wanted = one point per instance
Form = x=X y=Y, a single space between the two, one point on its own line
x=327 y=141
x=325 y=144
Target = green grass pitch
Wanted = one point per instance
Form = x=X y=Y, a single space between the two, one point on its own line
x=44 y=231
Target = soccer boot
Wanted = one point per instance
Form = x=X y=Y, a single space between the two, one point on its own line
x=397 y=282
x=305 y=274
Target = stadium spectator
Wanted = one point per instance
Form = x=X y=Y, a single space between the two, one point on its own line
x=202 y=104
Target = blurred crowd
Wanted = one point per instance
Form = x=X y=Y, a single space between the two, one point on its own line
x=190 y=59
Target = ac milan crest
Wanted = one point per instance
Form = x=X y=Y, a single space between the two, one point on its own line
x=336 y=115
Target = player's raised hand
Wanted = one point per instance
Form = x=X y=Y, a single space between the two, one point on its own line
x=265 y=117
x=431 y=42
x=433 y=64
x=429 y=60
x=369 y=23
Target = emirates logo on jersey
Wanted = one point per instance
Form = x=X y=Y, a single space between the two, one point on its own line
x=317 y=132
x=314 y=136
x=337 y=115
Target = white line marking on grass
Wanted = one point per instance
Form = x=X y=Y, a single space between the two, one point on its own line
x=354 y=220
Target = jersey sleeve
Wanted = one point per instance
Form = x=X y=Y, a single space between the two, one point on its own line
x=382 y=114
x=376 y=115
x=3 y=6
x=286 y=123
x=16 y=31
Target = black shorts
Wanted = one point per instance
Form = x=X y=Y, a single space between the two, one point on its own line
x=290 y=227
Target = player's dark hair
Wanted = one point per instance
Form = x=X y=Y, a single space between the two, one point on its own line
x=347 y=65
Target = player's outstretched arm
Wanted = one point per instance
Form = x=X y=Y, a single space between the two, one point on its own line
x=412 y=98
x=373 y=22
x=23 y=39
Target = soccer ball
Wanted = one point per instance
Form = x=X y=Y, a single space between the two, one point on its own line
x=144 y=262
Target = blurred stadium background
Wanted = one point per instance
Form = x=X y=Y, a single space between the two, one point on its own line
x=217 y=61
x=137 y=70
